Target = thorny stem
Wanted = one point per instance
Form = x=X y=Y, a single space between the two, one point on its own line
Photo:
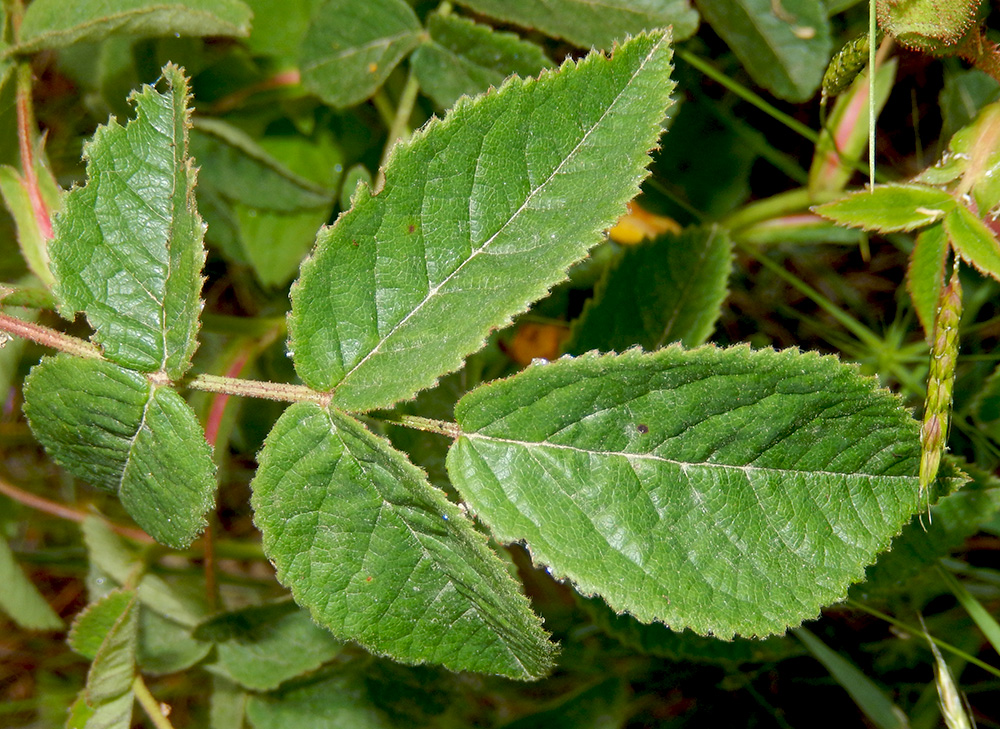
x=428 y=425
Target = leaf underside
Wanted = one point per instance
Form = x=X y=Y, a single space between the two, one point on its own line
x=112 y=428
x=725 y=490
x=128 y=247
x=380 y=557
x=410 y=281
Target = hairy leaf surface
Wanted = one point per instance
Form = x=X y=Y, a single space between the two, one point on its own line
x=128 y=248
x=589 y=23
x=669 y=290
x=926 y=274
x=725 y=490
x=114 y=429
x=974 y=241
x=466 y=58
x=351 y=47
x=784 y=46
x=57 y=23
x=379 y=556
x=412 y=280
x=889 y=208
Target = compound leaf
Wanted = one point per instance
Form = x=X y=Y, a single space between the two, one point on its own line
x=113 y=428
x=587 y=23
x=974 y=241
x=412 y=280
x=128 y=248
x=379 y=556
x=57 y=24
x=351 y=48
x=725 y=490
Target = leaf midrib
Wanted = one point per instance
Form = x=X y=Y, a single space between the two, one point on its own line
x=433 y=291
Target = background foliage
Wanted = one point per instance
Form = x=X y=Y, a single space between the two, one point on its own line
x=297 y=102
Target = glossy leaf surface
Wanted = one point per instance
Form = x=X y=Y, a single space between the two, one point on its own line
x=783 y=46
x=586 y=23
x=56 y=23
x=410 y=281
x=352 y=47
x=128 y=248
x=725 y=490
x=466 y=58
x=379 y=556
x=669 y=290
x=112 y=428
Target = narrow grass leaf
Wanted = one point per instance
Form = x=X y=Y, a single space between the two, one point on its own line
x=668 y=290
x=890 y=208
x=128 y=248
x=351 y=47
x=114 y=429
x=466 y=58
x=871 y=699
x=697 y=488
x=982 y=617
x=783 y=46
x=52 y=24
x=410 y=281
x=381 y=557
x=586 y=23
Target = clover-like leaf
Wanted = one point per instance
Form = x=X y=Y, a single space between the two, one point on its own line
x=725 y=490
x=410 y=281
x=128 y=248
x=113 y=428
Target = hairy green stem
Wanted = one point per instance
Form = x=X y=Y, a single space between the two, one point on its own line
x=776 y=206
x=279 y=391
x=428 y=425
x=48 y=337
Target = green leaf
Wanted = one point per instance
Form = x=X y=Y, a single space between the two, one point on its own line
x=669 y=290
x=263 y=646
x=605 y=704
x=380 y=557
x=128 y=248
x=166 y=646
x=117 y=563
x=926 y=273
x=108 y=631
x=466 y=58
x=20 y=599
x=240 y=169
x=30 y=238
x=784 y=46
x=279 y=26
x=116 y=430
x=351 y=48
x=973 y=240
x=889 y=208
x=412 y=280
x=338 y=700
x=586 y=23
x=697 y=488
x=57 y=24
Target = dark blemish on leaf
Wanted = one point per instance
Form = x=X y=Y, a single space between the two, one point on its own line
x=642 y=428
x=411 y=228
x=354 y=243
x=368 y=580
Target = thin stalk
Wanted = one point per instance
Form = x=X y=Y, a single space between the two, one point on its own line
x=150 y=705
x=399 y=128
x=747 y=95
x=65 y=512
x=872 y=31
x=255 y=388
x=916 y=631
x=776 y=206
x=48 y=337
x=415 y=422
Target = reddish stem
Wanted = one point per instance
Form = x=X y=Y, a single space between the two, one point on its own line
x=25 y=132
